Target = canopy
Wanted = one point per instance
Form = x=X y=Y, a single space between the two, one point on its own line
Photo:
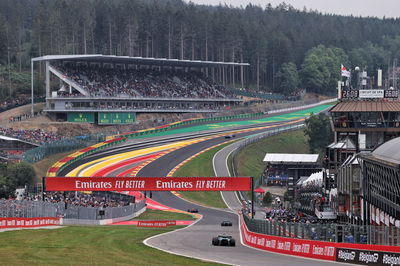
x=259 y=190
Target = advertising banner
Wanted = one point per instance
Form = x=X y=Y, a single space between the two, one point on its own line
x=148 y=183
x=156 y=223
x=17 y=222
x=116 y=118
x=292 y=246
x=371 y=93
x=80 y=117
x=366 y=257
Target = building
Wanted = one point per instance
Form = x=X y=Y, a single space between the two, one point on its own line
x=380 y=185
x=289 y=168
x=84 y=94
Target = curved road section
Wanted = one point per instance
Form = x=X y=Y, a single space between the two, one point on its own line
x=195 y=241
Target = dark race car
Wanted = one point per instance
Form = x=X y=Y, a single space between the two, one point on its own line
x=226 y=223
x=230 y=136
x=223 y=240
x=193 y=210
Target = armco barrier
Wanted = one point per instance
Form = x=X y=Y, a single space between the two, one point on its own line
x=361 y=254
x=17 y=222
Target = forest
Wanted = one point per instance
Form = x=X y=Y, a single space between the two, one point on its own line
x=286 y=48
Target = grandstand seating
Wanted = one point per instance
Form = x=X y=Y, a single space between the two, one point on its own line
x=115 y=82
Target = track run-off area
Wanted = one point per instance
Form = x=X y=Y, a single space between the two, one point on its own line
x=160 y=154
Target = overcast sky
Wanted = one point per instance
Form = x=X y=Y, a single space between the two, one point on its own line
x=374 y=8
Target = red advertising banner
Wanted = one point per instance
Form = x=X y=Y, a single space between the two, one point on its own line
x=16 y=222
x=156 y=223
x=148 y=183
x=291 y=246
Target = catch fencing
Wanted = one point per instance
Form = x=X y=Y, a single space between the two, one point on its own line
x=330 y=232
x=59 y=146
x=31 y=209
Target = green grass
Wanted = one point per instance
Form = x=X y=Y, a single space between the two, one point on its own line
x=42 y=166
x=202 y=166
x=93 y=245
x=249 y=161
x=163 y=215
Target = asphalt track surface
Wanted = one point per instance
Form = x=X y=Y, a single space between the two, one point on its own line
x=195 y=241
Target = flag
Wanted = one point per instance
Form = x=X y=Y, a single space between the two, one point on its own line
x=345 y=73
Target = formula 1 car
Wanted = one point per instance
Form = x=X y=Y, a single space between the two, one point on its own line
x=223 y=240
x=226 y=223
x=230 y=136
x=193 y=210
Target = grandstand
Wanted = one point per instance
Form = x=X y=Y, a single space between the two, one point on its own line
x=113 y=89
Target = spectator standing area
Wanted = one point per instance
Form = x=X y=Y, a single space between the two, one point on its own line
x=113 y=89
x=286 y=169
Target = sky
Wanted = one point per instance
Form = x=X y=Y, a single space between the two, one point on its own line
x=372 y=8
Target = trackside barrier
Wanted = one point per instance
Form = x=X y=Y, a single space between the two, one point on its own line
x=219 y=118
x=17 y=222
x=361 y=254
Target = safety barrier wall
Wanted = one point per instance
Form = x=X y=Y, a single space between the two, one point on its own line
x=329 y=232
x=29 y=208
x=17 y=222
x=139 y=209
x=219 y=118
x=342 y=252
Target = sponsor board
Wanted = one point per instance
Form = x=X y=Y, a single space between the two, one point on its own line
x=291 y=246
x=17 y=222
x=83 y=117
x=156 y=223
x=371 y=93
x=148 y=183
x=366 y=257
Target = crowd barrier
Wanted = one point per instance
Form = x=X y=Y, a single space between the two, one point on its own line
x=17 y=222
x=362 y=254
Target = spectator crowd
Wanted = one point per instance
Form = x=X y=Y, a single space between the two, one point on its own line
x=118 y=82
x=38 y=136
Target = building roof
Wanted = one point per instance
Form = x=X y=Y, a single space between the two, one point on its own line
x=343 y=144
x=388 y=151
x=291 y=158
x=136 y=60
x=367 y=106
x=7 y=138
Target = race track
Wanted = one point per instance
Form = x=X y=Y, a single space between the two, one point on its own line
x=150 y=159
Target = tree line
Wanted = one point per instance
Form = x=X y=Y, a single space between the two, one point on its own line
x=286 y=48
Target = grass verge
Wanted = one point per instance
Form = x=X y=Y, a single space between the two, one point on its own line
x=202 y=166
x=42 y=166
x=249 y=161
x=163 y=215
x=93 y=245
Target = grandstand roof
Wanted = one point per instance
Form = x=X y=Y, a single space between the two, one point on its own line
x=285 y=158
x=7 y=138
x=388 y=151
x=367 y=106
x=136 y=60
